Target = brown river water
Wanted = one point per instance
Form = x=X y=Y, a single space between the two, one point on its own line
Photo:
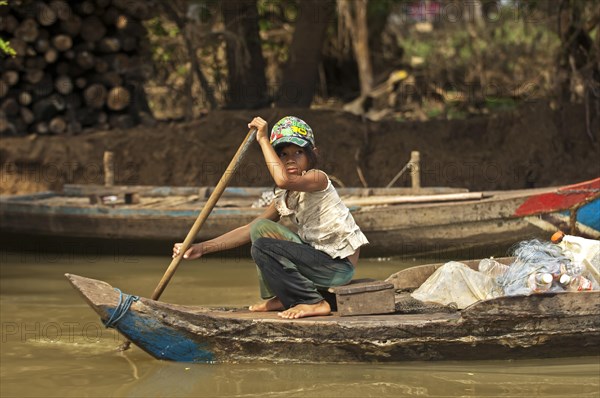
x=53 y=344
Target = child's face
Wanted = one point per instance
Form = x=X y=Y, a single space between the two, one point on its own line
x=294 y=159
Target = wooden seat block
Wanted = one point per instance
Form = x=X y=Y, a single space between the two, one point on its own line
x=364 y=298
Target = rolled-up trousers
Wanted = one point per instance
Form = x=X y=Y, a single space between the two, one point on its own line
x=293 y=270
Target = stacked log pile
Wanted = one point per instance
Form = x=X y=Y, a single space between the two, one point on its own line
x=79 y=65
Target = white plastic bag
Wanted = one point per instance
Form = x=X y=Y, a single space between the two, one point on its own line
x=456 y=283
x=585 y=253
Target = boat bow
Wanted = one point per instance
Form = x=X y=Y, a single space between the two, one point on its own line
x=142 y=325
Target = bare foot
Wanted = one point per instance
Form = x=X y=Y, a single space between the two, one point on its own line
x=304 y=310
x=272 y=304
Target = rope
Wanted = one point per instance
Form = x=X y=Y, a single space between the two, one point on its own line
x=121 y=308
x=406 y=167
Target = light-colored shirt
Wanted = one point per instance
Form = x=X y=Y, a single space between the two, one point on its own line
x=323 y=221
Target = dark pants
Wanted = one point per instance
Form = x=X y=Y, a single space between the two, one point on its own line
x=293 y=270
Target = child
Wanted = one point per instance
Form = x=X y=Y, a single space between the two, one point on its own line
x=324 y=253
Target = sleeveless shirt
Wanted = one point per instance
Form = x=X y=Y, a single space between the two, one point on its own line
x=323 y=221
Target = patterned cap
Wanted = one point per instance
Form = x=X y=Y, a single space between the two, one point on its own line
x=292 y=130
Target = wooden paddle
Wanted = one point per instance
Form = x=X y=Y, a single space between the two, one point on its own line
x=210 y=204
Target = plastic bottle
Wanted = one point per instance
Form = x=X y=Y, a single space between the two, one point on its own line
x=564 y=281
x=540 y=282
x=557 y=274
x=579 y=283
x=492 y=267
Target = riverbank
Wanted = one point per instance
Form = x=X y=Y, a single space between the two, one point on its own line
x=532 y=146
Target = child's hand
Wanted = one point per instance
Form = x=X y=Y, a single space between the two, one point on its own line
x=261 y=127
x=195 y=251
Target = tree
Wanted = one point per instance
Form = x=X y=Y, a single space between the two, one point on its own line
x=176 y=11
x=353 y=16
x=247 y=84
x=301 y=71
x=578 y=58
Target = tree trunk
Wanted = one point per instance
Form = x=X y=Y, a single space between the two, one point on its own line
x=247 y=84
x=301 y=73
x=355 y=23
x=361 y=48
x=576 y=50
x=172 y=9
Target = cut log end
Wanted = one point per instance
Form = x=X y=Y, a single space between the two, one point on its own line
x=118 y=98
x=72 y=65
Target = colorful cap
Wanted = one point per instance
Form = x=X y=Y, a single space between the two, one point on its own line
x=292 y=130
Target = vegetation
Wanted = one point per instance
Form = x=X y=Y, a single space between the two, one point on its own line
x=5 y=47
x=459 y=59
x=400 y=59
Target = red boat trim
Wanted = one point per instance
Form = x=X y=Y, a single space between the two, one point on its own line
x=562 y=199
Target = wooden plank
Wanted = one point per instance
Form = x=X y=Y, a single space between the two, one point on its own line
x=162 y=191
x=147 y=190
x=393 y=200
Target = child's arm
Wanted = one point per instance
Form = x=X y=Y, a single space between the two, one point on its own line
x=229 y=240
x=309 y=182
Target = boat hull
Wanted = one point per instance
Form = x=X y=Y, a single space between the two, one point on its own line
x=496 y=220
x=541 y=326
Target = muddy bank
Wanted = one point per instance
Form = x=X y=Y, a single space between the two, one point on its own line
x=533 y=146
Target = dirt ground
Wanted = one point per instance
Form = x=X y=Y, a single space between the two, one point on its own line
x=533 y=146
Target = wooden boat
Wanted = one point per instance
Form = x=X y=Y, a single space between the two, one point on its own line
x=396 y=221
x=537 y=326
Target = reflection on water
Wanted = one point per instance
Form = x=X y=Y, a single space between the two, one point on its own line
x=474 y=379
x=54 y=345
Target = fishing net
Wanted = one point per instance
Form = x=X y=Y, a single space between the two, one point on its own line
x=536 y=257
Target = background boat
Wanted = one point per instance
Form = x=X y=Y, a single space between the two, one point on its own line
x=395 y=220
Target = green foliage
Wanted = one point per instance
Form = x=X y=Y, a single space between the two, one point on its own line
x=162 y=36
x=182 y=70
x=4 y=46
x=434 y=113
x=501 y=103
x=7 y=49
x=456 y=114
x=486 y=65
x=416 y=47
x=275 y=18
x=157 y=27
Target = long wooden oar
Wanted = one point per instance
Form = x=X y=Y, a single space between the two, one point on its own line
x=210 y=204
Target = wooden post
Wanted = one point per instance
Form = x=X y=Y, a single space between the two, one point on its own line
x=109 y=169
x=415 y=170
